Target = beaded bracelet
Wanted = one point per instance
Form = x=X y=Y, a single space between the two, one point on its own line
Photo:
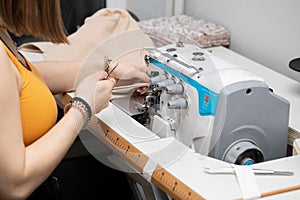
x=81 y=105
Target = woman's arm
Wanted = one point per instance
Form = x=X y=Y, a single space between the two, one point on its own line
x=59 y=75
x=23 y=169
x=63 y=76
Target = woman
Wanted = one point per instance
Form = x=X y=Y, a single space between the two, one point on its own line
x=30 y=139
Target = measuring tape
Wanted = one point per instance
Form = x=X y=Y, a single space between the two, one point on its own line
x=160 y=177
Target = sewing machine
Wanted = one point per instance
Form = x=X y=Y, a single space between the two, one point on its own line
x=210 y=105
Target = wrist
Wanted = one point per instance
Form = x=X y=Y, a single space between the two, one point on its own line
x=83 y=107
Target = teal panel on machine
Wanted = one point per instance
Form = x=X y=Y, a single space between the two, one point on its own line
x=208 y=100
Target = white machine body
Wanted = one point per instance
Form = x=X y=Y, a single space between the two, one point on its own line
x=213 y=106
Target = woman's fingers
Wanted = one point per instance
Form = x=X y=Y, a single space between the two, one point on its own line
x=113 y=80
x=142 y=90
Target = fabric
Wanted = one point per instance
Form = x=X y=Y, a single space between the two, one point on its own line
x=167 y=30
x=37 y=104
x=296 y=147
x=100 y=27
x=109 y=32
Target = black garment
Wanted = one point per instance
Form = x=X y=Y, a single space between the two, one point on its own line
x=84 y=178
x=87 y=178
x=49 y=190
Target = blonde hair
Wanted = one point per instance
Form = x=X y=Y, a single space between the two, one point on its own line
x=38 y=18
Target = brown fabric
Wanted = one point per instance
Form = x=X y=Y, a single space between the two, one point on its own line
x=104 y=24
x=109 y=32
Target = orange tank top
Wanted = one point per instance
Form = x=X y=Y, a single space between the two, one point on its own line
x=37 y=104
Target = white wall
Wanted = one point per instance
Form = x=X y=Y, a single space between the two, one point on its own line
x=267 y=31
x=146 y=9
x=116 y=3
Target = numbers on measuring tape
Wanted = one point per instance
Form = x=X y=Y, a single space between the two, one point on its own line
x=132 y=155
x=173 y=186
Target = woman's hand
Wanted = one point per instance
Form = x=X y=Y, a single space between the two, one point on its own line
x=128 y=73
x=96 y=91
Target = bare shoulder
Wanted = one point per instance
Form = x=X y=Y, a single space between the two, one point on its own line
x=9 y=75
